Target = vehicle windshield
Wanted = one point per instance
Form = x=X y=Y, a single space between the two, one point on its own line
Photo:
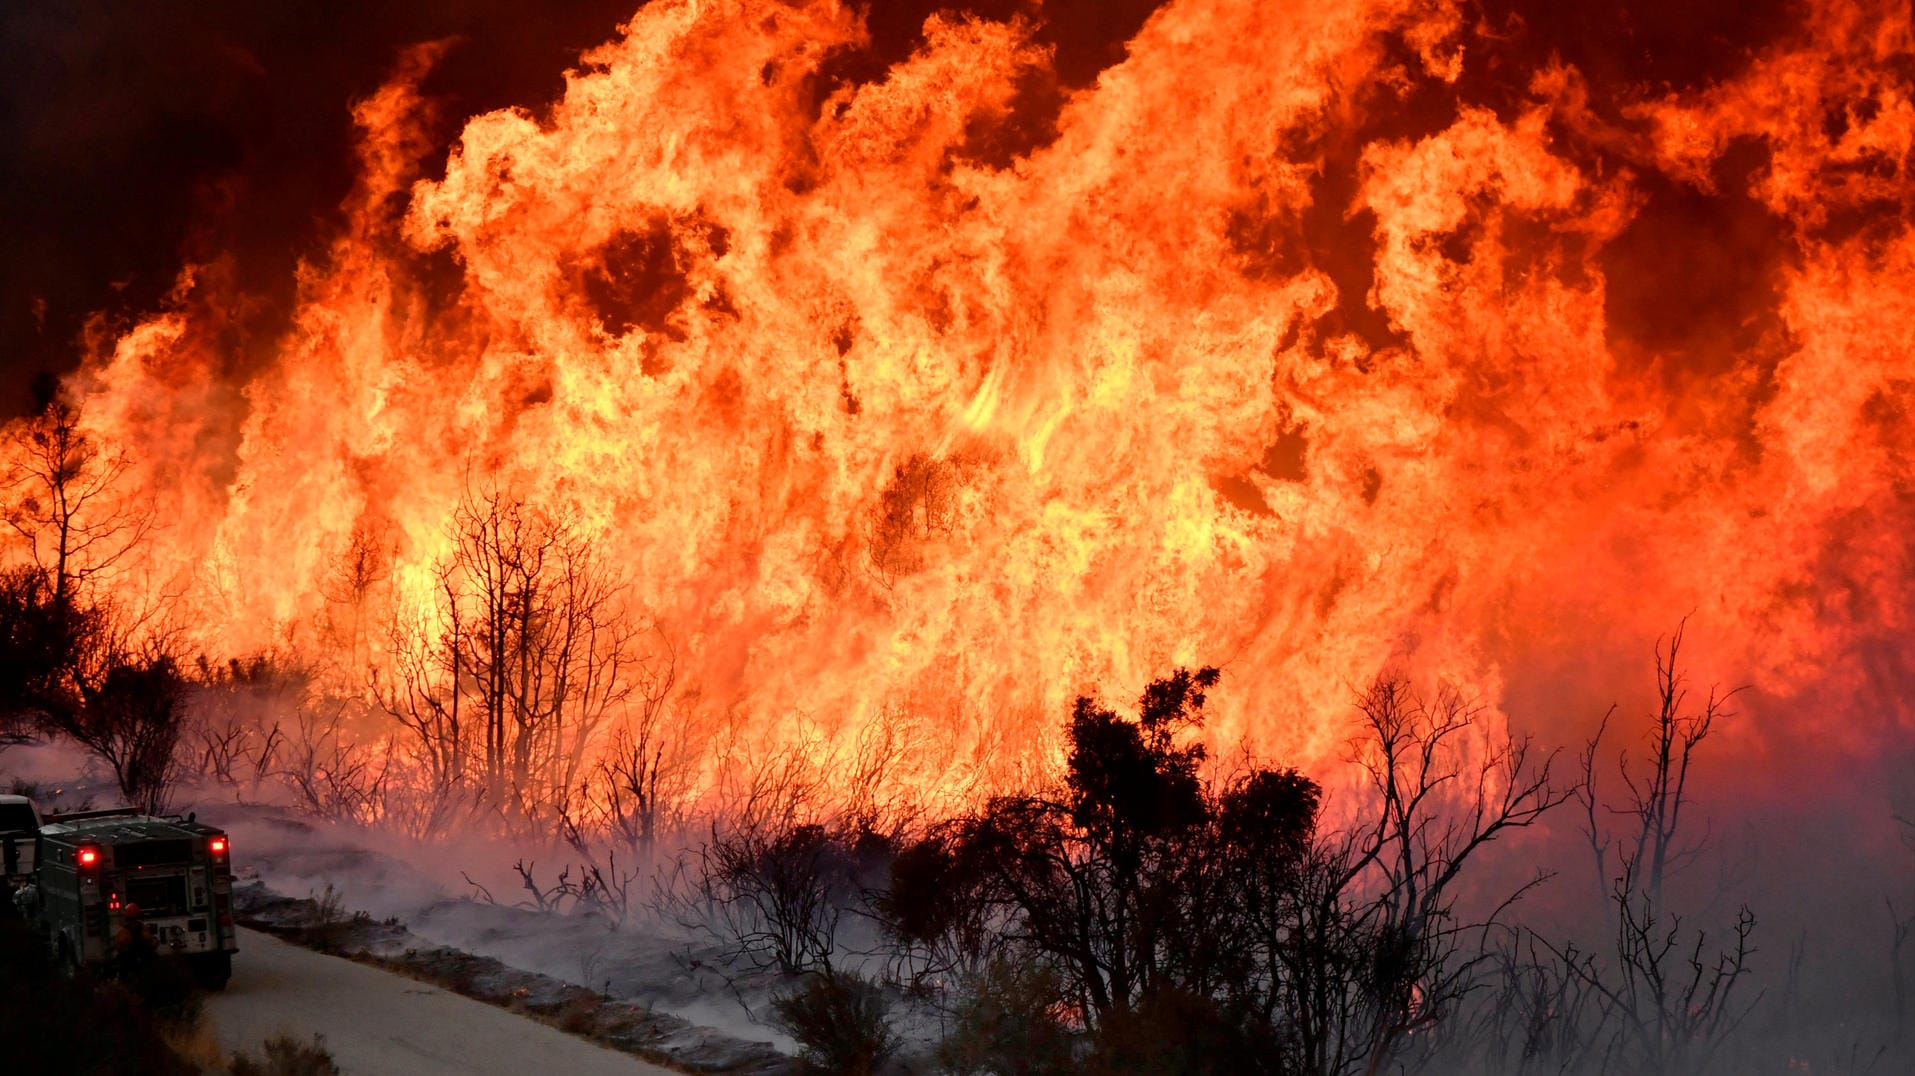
x=17 y=817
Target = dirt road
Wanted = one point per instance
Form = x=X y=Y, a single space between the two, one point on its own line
x=375 y=1022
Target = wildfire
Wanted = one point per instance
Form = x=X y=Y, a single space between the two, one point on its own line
x=899 y=401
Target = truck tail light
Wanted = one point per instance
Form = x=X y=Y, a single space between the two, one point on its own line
x=87 y=856
x=217 y=846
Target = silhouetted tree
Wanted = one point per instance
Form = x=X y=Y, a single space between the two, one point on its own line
x=63 y=497
x=131 y=715
x=39 y=639
x=639 y=773
x=1199 y=930
x=364 y=564
x=76 y=668
x=1090 y=881
x=1653 y=994
x=1666 y=1002
x=525 y=656
x=69 y=669
x=1104 y=883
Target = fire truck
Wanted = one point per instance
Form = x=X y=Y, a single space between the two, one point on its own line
x=19 y=836
x=101 y=878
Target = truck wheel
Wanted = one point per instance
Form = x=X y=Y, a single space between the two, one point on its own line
x=212 y=970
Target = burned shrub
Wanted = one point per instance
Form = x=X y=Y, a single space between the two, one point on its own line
x=775 y=894
x=283 y=1055
x=1177 y=1032
x=327 y=924
x=502 y=683
x=939 y=909
x=839 y=1022
x=238 y=717
x=1006 y=1024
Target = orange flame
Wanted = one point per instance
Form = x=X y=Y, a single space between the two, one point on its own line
x=891 y=423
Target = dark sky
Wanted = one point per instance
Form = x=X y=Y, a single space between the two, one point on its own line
x=136 y=135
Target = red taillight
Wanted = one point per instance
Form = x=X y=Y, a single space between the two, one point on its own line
x=217 y=846
x=87 y=857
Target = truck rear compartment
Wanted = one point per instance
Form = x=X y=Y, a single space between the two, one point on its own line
x=161 y=895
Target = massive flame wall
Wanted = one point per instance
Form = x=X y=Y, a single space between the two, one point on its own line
x=1309 y=339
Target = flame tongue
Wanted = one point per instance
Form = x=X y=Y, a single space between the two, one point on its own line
x=892 y=409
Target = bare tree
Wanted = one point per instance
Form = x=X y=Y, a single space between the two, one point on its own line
x=1666 y=1000
x=363 y=566
x=63 y=498
x=640 y=771
x=420 y=689
x=1373 y=949
x=636 y=786
x=1656 y=797
x=334 y=775
x=525 y=655
x=550 y=651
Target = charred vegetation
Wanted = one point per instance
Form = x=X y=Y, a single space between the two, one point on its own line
x=1188 y=926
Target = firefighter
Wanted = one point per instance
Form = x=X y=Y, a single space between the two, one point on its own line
x=163 y=983
x=132 y=944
